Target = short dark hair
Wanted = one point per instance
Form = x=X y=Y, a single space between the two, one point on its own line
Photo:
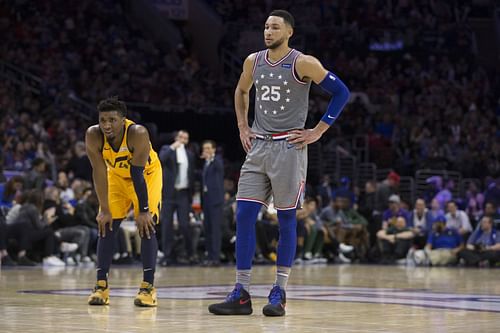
x=285 y=15
x=111 y=104
x=211 y=142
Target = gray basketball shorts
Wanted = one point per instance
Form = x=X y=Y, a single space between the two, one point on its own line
x=273 y=169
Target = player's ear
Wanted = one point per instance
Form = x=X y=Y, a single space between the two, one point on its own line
x=290 y=32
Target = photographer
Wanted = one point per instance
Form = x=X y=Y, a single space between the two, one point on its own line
x=483 y=245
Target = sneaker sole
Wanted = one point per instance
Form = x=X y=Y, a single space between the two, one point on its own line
x=138 y=302
x=273 y=312
x=98 y=301
x=230 y=312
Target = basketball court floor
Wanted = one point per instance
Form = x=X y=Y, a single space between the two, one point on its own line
x=339 y=298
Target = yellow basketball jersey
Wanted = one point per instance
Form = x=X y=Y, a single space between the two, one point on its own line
x=118 y=161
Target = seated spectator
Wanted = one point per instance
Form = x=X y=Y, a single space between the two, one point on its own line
x=394 y=211
x=85 y=214
x=333 y=220
x=395 y=240
x=228 y=229
x=367 y=208
x=267 y=234
x=5 y=259
x=12 y=190
x=66 y=226
x=35 y=178
x=443 y=243
x=421 y=223
x=458 y=219
x=79 y=165
x=483 y=245
x=314 y=235
x=32 y=229
x=492 y=211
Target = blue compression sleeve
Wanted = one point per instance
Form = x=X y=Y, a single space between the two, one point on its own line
x=332 y=84
x=137 y=174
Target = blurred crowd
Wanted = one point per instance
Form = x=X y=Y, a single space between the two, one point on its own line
x=419 y=95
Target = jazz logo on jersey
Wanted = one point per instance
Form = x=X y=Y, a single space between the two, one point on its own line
x=121 y=162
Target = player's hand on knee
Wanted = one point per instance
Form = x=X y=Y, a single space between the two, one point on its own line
x=104 y=218
x=301 y=138
x=145 y=225
x=246 y=137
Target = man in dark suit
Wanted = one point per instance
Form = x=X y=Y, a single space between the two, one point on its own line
x=212 y=200
x=178 y=179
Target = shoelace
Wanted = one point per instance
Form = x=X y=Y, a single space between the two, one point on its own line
x=145 y=291
x=234 y=295
x=275 y=296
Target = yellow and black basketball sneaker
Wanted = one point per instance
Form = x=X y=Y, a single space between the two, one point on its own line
x=100 y=294
x=146 y=296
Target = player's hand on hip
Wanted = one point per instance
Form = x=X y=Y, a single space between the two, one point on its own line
x=104 y=218
x=246 y=137
x=301 y=138
x=145 y=225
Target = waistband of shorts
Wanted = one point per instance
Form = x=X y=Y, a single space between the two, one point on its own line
x=273 y=137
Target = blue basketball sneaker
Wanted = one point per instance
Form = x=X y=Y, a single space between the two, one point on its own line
x=277 y=303
x=238 y=302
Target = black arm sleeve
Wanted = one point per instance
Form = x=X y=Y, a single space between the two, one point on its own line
x=137 y=174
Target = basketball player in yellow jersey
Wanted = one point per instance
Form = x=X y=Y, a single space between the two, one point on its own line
x=126 y=172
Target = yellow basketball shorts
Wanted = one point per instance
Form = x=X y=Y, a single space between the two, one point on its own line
x=121 y=195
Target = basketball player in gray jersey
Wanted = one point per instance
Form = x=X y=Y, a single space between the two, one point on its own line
x=276 y=146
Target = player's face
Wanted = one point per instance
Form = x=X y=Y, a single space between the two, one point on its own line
x=276 y=32
x=111 y=124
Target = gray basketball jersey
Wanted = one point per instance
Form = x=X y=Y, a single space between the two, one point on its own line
x=281 y=98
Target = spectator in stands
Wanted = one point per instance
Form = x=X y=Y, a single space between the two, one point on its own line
x=458 y=219
x=65 y=225
x=36 y=177
x=393 y=212
x=85 y=214
x=79 y=165
x=492 y=193
x=267 y=233
x=421 y=223
x=32 y=229
x=335 y=222
x=483 y=245
x=367 y=208
x=67 y=195
x=386 y=189
x=228 y=228
x=12 y=190
x=443 y=243
x=395 y=241
x=5 y=258
x=435 y=210
x=313 y=245
x=492 y=211
x=324 y=191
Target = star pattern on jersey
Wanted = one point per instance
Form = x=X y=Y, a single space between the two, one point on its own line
x=278 y=80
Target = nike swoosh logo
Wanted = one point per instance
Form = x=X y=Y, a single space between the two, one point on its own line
x=148 y=173
x=331 y=117
x=244 y=301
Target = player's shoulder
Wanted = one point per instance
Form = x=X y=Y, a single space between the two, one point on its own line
x=94 y=132
x=94 y=137
x=307 y=59
x=137 y=129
